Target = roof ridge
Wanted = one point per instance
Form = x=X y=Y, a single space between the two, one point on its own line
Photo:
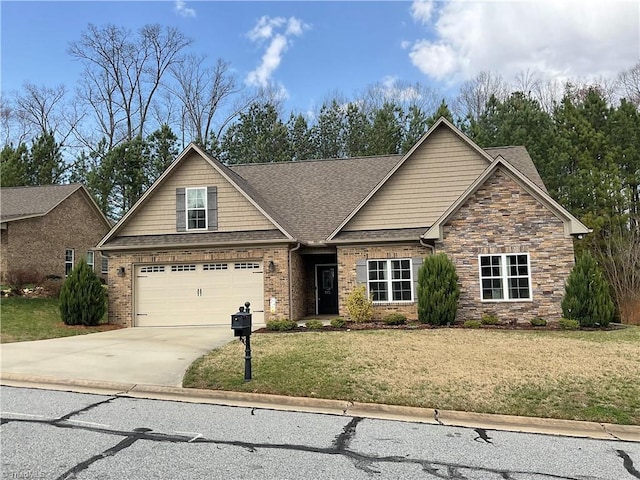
x=312 y=160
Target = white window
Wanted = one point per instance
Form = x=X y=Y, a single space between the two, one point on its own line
x=152 y=269
x=105 y=265
x=91 y=259
x=505 y=277
x=390 y=280
x=68 y=261
x=183 y=268
x=196 y=208
x=214 y=266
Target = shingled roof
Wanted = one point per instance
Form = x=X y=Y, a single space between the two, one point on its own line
x=17 y=203
x=312 y=197
x=518 y=157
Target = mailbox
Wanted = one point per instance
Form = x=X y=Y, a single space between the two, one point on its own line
x=241 y=321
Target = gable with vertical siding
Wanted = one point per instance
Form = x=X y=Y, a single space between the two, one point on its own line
x=158 y=214
x=427 y=183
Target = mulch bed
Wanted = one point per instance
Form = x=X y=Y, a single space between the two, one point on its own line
x=105 y=327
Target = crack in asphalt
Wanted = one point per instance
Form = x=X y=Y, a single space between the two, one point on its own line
x=482 y=435
x=627 y=463
x=85 y=409
x=340 y=446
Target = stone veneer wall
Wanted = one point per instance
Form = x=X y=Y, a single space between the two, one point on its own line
x=38 y=244
x=501 y=217
x=347 y=280
x=276 y=284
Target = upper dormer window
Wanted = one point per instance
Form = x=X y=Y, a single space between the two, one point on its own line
x=196 y=208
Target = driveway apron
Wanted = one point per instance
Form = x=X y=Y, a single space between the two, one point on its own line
x=147 y=355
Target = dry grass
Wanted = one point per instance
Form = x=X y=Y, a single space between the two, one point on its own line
x=576 y=375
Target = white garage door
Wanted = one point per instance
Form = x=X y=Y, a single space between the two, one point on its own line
x=197 y=293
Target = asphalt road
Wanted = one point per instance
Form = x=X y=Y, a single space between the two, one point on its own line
x=49 y=434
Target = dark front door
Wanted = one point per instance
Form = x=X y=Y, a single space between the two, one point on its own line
x=327 y=289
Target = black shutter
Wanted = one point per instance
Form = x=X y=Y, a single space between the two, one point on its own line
x=212 y=208
x=181 y=216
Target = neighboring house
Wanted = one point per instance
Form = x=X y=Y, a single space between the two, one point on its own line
x=296 y=238
x=46 y=229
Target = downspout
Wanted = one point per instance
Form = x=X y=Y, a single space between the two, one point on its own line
x=432 y=247
x=290 y=282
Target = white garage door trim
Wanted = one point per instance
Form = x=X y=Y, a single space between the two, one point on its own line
x=197 y=293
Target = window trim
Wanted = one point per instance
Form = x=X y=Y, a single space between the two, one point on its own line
x=187 y=209
x=505 y=277
x=390 y=281
x=71 y=262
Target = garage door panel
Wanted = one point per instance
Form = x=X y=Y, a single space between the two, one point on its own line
x=197 y=294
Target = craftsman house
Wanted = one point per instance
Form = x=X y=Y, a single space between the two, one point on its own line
x=45 y=230
x=296 y=238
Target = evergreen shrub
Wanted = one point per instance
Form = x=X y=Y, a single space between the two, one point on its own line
x=395 y=319
x=438 y=290
x=314 y=324
x=338 y=322
x=281 y=324
x=587 y=297
x=83 y=300
x=359 y=306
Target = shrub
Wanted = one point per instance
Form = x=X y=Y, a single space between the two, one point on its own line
x=82 y=297
x=338 y=322
x=52 y=288
x=359 y=306
x=281 y=324
x=19 y=279
x=395 y=319
x=587 y=297
x=471 y=324
x=438 y=290
x=568 y=324
x=314 y=324
x=538 y=322
x=489 y=320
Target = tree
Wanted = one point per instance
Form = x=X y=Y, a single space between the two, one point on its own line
x=83 y=300
x=204 y=93
x=443 y=111
x=416 y=125
x=385 y=135
x=357 y=131
x=327 y=133
x=629 y=84
x=438 y=290
x=160 y=150
x=475 y=94
x=46 y=165
x=258 y=136
x=587 y=297
x=123 y=73
x=299 y=136
x=14 y=166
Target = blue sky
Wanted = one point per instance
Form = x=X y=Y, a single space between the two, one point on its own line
x=312 y=49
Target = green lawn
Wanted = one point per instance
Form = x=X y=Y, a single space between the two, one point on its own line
x=23 y=319
x=592 y=376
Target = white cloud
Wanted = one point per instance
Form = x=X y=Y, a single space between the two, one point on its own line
x=558 y=39
x=421 y=10
x=277 y=32
x=183 y=10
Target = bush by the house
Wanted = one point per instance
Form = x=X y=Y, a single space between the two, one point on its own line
x=568 y=324
x=471 y=324
x=538 y=322
x=587 y=297
x=395 y=319
x=52 y=287
x=338 y=322
x=82 y=297
x=359 y=306
x=489 y=320
x=438 y=290
x=314 y=324
x=19 y=279
x=281 y=324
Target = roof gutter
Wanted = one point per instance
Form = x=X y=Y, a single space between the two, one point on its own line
x=190 y=245
x=432 y=247
x=297 y=247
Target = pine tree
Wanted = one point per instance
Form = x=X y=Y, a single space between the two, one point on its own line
x=587 y=296
x=82 y=298
x=438 y=290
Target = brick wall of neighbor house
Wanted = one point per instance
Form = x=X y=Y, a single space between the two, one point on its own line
x=4 y=252
x=39 y=244
x=501 y=217
x=347 y=280
x=298 y=286
x=276 y=284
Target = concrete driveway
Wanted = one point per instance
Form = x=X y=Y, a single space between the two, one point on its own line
x=149 y=355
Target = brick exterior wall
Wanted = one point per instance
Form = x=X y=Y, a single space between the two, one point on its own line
x=276 y=283
x=347 y=279
x=39 y=244
x=501 y=217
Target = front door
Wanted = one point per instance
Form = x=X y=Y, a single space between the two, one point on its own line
x=327 y=289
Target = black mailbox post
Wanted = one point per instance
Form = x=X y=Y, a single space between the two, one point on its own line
x=241 y=325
